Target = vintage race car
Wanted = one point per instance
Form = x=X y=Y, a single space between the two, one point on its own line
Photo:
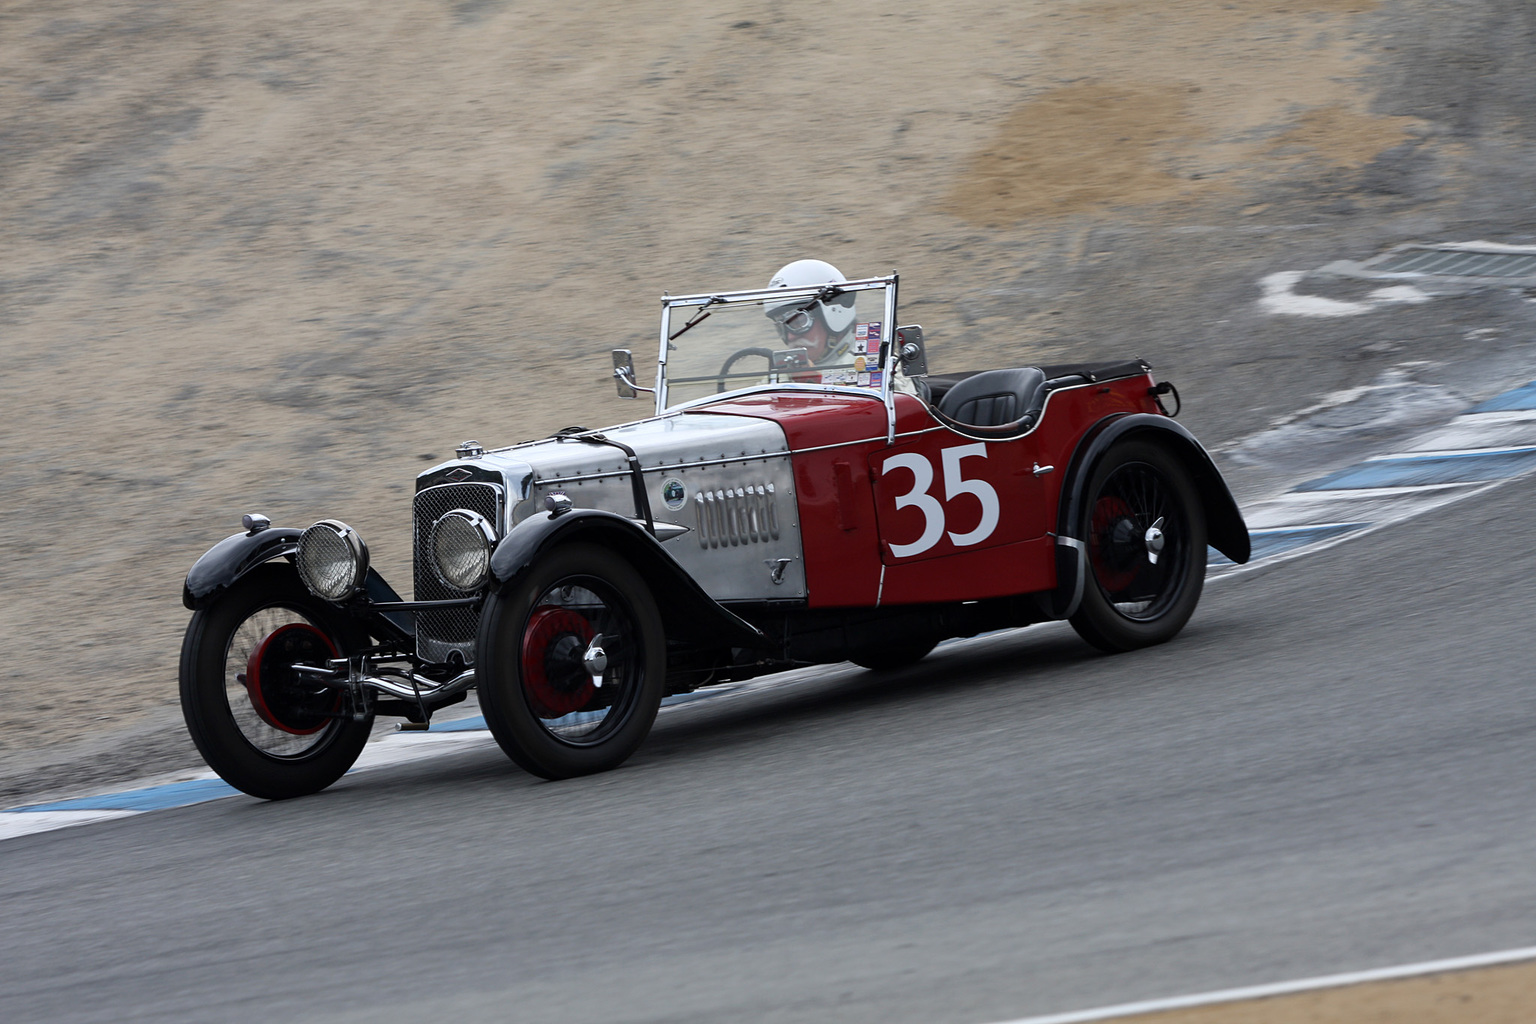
x=805 y=492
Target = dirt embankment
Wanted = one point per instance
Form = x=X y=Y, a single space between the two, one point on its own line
x=277 y=257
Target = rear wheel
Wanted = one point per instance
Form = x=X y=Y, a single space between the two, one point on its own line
x=1145 y=533
x=571 y=662
x=265 y=727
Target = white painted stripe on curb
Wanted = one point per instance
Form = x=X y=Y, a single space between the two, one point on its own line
x=16 y=824
x=1447 y=453
x=1233 y=995
x=1397 y=490
x=1501 y=416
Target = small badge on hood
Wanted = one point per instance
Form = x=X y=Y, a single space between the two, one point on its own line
x=673 y=493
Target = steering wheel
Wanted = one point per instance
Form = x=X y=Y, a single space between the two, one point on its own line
x=725 y=368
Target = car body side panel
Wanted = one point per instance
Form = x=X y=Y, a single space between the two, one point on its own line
x=1069 y=414
x=831 y=438
x=810 y=420
x=861 y=549
x=1019 y=557
x=838 y=529
x=939 y=494
x=1018 y=568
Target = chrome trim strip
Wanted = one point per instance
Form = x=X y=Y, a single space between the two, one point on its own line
x=888 y=378
x=661 y=360
x=728 y=460
x=757 y=389
x=863 y=284
x=724 y=460
x=1082 y=571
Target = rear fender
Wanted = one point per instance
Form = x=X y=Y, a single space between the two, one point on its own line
x=687 y=611
x=1225 y=528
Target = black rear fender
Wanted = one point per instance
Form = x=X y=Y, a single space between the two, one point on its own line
x=1227 y=531
x=687 y=611
x=1225 y=528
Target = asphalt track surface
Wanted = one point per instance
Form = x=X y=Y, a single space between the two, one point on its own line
x=1327 y=771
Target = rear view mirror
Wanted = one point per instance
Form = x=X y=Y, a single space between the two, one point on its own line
x=624 y=374
x=909 y=346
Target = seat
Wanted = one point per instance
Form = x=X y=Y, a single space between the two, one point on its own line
x=1008 y=399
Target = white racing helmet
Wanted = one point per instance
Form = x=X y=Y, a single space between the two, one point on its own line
x=836 y=313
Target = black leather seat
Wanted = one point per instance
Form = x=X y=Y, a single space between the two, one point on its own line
x=998 y=401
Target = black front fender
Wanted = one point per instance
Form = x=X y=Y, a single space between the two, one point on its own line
x=233 y=557
x=1226 y=530
x=236 y=555
x=686 y=610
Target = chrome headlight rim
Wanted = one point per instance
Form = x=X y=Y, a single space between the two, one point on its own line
x=332 y=560
x=460 y=544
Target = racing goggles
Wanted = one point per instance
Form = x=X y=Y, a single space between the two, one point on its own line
x=794 y=320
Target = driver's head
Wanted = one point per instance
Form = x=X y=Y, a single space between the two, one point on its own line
x=821 y=328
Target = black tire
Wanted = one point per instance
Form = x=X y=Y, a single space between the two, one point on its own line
x=309 y=748
x=1128 y=600
x=894 y=656
x=542 y=706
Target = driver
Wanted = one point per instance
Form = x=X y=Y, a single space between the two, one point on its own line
x=823 y=328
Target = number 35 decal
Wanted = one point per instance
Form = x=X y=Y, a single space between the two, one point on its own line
x=955 y=484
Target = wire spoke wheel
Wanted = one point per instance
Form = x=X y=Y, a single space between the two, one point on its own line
x=1133 y=505
x=276 y=708
x=571 y=663
x=1145 y=535
x=263 y=725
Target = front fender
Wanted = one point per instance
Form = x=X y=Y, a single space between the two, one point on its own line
x=1226 y=530
x=233 y=557
x=686 y=609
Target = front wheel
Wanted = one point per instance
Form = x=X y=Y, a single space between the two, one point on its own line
x=571 y=662
x=1144 y=527
x=264 y=726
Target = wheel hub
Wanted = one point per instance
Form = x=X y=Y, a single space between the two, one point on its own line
x=1153 y=539
x=556 y=677
x=286 y=699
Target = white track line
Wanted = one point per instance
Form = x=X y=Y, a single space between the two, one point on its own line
x=1282 y=988
x=13 y=826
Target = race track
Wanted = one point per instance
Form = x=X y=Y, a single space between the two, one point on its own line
x=1326 y=772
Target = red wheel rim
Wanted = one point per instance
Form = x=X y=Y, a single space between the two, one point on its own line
x=1107 y=512
x=554 y=679
x=269 y=679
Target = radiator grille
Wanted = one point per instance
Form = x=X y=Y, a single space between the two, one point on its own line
x=451 y=629
x=732 y=516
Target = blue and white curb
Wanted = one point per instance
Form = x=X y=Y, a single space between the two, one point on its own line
x=444 y=737
x=1489 y=444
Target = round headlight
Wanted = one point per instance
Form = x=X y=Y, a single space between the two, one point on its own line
x=332 y=560
x=462 y=542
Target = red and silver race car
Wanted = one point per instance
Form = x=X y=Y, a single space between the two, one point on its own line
x=804 y=492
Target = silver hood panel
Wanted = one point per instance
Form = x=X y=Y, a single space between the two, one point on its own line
x=727 y=479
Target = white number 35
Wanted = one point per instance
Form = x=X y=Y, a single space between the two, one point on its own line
x=933 y=511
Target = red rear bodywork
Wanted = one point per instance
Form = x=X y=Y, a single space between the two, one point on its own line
x=939 y=515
